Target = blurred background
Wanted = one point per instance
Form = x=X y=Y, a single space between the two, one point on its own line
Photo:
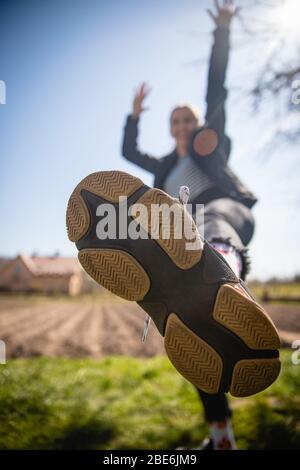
x=73 y=351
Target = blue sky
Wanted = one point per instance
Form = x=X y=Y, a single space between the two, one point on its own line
x=70 y=68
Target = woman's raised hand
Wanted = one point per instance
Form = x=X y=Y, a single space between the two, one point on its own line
x=141 y=93
x=224 y=13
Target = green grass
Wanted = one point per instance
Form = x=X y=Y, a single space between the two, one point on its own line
x=289 y=290
x=128 y=403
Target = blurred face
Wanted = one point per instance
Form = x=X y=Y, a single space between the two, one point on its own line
x=183 y=123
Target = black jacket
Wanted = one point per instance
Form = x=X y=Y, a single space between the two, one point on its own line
x=226 y=183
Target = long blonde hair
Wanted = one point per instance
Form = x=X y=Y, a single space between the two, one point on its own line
x=193 y=109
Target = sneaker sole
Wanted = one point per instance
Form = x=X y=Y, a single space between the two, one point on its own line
x=215 y=334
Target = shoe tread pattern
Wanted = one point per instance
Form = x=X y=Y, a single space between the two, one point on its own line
x=174 y=247
x=195 y=359
x=117 y=271
x=251 y=376
x=245 y=318
x=107 y=184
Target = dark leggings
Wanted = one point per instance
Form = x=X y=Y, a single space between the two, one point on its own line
x=216 y=406
x=225 y=220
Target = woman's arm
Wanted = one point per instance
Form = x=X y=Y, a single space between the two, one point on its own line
x=216 y=91
x=130 y=146
x=215 y=143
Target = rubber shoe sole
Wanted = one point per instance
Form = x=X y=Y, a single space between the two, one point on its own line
x=215 y=334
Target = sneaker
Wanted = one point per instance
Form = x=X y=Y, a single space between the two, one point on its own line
x=207 y=444
x=215 y=334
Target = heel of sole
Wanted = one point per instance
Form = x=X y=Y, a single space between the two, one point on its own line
x=203 y=366
x=196 y=360
x=252 y=376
